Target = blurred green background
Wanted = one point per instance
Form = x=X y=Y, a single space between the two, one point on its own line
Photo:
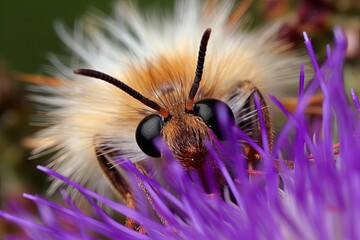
x=27 y=35
x=27 y=28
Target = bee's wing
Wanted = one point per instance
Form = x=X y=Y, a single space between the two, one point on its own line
x=242 y=101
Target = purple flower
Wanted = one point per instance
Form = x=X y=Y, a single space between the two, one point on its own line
x=318 y=199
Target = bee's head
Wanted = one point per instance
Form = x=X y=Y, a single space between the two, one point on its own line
x=186 y=131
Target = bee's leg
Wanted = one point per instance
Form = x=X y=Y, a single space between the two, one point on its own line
x=286 y=163
x=117 y=182
x=142 y=169
x=120 y=185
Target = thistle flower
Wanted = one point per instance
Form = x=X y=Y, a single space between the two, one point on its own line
x=316 y=200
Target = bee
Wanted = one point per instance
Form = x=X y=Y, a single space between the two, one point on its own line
x=139 y=78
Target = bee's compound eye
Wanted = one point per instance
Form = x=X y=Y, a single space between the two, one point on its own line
x=147 y=130
x=209 y=110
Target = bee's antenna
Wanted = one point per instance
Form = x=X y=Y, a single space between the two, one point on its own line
x=132 y=92
x=199 y=69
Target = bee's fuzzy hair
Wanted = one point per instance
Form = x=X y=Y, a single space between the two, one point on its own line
x=150 y=54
